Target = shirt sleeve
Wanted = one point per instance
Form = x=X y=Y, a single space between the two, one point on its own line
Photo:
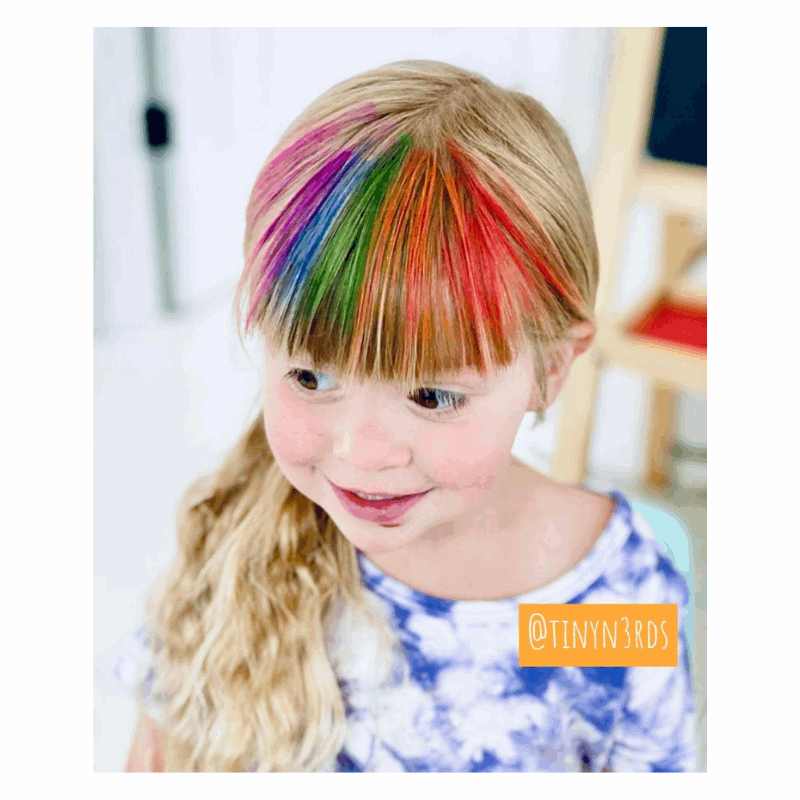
x=657 y=726
x=133 y=667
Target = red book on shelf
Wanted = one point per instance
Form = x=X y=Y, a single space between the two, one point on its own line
x=674 y=321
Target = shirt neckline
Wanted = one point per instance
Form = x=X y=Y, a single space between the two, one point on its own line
x=561 y=590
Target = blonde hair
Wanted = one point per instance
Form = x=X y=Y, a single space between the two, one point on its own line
x=242 y=618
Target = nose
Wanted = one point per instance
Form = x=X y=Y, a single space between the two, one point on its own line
x=367 y=445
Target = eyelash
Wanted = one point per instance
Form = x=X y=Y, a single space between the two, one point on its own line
x=457 y=401
x=294 y=374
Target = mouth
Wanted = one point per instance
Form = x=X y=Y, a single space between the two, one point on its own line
x=374 y=507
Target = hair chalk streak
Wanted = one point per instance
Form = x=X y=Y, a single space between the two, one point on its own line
x=399 y=262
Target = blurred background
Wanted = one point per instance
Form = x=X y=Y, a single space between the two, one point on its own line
x=183 y=121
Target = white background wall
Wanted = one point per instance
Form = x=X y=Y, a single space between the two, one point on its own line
x=172 y=394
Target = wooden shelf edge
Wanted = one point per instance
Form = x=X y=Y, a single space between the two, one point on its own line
x=678 y=187
x=683 y=368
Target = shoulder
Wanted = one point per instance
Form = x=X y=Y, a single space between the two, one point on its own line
x=637 y=567
x=609 y=548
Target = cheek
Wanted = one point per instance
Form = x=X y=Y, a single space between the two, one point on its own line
x=295 y=434
x=469 y=458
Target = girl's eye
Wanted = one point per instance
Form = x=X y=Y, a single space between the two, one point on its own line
x=313 y=381
x=439 y=400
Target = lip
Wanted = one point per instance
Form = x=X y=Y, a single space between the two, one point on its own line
x=380 y=511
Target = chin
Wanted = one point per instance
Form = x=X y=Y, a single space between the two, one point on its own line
x=373 y=538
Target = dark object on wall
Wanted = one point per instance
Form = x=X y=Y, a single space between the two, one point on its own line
x=157 y=139
x=679 y=128
x=156 y=121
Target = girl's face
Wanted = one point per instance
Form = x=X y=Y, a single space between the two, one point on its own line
x=436 y=453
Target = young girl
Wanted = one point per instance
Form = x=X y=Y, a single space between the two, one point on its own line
x=421 y=269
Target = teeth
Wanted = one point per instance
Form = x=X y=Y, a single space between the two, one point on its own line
x=373 y=496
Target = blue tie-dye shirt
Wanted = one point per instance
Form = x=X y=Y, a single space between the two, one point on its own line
x=467 y=705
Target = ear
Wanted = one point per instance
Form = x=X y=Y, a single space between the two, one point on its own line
x=560 y=359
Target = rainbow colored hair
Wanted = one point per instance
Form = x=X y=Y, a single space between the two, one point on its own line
x=395 y=261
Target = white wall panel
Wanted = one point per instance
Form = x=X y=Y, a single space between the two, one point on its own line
x=125 y=260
